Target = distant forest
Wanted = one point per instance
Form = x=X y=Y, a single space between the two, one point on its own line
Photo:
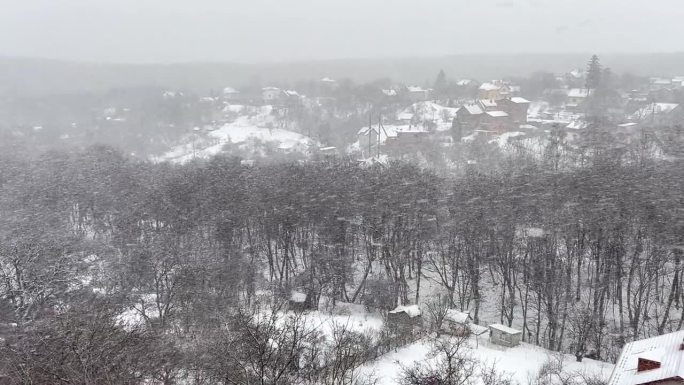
x=40 y=77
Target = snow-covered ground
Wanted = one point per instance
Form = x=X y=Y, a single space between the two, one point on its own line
x=249 y=127
x=432 y=113
x=522 y=362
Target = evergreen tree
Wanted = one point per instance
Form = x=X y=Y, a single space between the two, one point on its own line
x=441 y=84
x=593 y=79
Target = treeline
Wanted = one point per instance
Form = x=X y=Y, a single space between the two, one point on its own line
x=582 y=260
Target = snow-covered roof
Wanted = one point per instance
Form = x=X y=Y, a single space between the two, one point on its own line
x=579 y=92
x=661 y=81
x=411 y=310
x=457 y=316
x=478 y=330
x=389 y=92
x=577 y=74
x=364 y=130
x=489 y=87
x=577 y=125
x=666 y=350
x=519 y=100
x=415 y=89
x=473 y=109
x=654 y=108
x=270 y=89
x=291 y=93
x=328 y=80
x=487 y=103
x=504 y=329
x=405 y=115
x=297 y=296
x=627 y=125
x=464 y=82
x=230 y=90
x=497 y=114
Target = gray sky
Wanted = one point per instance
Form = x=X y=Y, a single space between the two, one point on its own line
x=287 y=30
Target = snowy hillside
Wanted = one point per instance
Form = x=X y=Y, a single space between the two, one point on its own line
x=251 y=129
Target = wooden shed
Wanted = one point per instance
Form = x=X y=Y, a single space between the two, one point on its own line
x=404 y=319
x=299 y=301
x=456 y=322
x=505 y=336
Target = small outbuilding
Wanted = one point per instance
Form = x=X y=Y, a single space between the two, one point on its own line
x=404 y=319
x=456 y=323
x=299 y=301
x=505 y=336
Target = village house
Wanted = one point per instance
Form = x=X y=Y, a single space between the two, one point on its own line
x=660 y=83
x=516 y=107
x=407 y=140
x=417 y=94
x=503 y=335
x=659 y=114
x=498 y=116
x=230 y=94
x=468 y=117
x=497 y=121
x=271 y=94
x=405 y=118
x=405 y=319
x=656 y=360
x=495 y=90
x=368 y=137
x=389 y=93
x=488 y=104
x=678 y=81
x=577 y=97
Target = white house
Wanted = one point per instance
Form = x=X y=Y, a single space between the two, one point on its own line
x=417 y=94
x=271 y=94
x=577 y=96
x=230 y=93
x=657 y=360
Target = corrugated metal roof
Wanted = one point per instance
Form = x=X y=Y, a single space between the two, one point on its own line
x=504 y=328
x=665 y=349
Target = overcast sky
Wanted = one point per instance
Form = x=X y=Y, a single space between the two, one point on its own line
x=290 y=30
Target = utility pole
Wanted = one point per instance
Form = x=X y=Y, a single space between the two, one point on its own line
x=370 y=133
x=379 y=126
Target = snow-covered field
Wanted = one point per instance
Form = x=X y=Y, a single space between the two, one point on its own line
x=522 y=362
